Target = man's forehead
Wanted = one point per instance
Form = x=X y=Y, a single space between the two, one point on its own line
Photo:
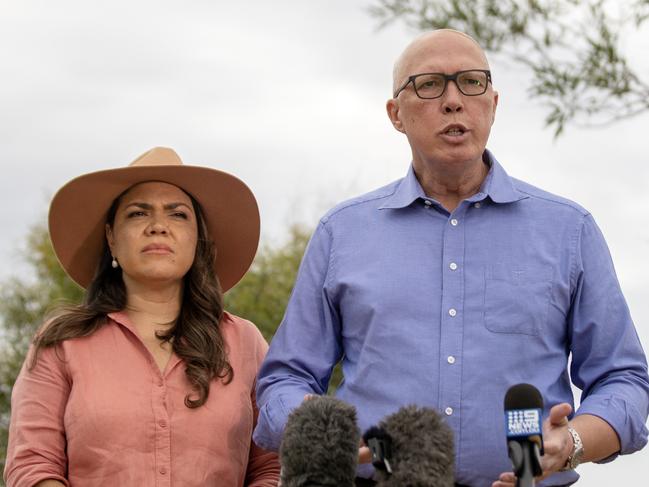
x=443 y=46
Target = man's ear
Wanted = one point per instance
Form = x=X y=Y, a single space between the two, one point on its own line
x=392 y=107
x=493 y=115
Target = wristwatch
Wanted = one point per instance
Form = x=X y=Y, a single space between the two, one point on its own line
x=574 y=459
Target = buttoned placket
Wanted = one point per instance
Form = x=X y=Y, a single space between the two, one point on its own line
x=451 y=333
x=161 y=426
x=161 y=420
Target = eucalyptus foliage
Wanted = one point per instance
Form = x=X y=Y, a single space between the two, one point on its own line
x=574 y=49
x=23 y=304
x=262 y=294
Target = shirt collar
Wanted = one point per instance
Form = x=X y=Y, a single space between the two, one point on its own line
x=121 y=318
x=407 y=191
x=498 y=185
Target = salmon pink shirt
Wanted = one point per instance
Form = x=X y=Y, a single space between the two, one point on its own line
x=102 y=413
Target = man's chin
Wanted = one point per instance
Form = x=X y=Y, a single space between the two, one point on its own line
x=464 y=157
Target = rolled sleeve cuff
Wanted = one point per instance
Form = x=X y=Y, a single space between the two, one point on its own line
x=272 y=421
x=623 y=417
x=33 y=478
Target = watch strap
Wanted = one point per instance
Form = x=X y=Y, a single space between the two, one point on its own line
x=574 y=459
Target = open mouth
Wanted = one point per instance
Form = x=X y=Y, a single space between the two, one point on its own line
x=455 y=130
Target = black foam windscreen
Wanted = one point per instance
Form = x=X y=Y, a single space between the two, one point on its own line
x=320 y=444
x=523 y=396
x=419 y=449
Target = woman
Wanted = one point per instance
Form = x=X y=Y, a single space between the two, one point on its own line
x=148 y=382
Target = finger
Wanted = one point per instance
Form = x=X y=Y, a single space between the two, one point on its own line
x=506 y=479
x=504 y=483
x=309 y=396
x=559 y=414
x=364 y=455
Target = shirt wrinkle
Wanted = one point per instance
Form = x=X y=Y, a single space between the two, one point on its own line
x=332 y=256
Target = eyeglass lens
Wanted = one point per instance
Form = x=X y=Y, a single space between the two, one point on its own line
x=468 y=82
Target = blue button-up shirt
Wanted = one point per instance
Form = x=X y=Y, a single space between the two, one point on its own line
x=448 y=310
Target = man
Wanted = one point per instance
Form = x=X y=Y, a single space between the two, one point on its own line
x=449 y=286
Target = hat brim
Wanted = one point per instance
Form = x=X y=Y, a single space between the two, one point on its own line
x=79 y=209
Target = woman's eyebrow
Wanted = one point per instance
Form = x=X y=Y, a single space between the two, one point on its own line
x=167 y=206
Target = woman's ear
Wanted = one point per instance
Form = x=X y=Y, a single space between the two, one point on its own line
x=110 y=238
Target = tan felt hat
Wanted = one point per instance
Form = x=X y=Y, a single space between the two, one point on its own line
x=79 y=209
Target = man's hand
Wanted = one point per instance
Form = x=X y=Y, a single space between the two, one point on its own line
x=364 y=454
x=507 y=479
x=557 y=445
x=557 y=440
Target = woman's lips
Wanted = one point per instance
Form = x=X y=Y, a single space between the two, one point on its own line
x=156 y=249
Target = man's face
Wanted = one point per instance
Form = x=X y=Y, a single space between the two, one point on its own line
x=453 y=129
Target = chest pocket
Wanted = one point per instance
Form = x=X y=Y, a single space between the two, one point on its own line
x=516 y=298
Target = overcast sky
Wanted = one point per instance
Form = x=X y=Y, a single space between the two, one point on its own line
x=289 y=96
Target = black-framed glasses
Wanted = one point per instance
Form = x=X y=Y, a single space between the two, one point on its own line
x=470 y=82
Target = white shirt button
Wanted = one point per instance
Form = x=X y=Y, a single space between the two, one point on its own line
x=477 y=205
x=453 y=266
x=428 y=203
x=454 y=222
x=448 y=411
x=451 y=359
x=452 y=312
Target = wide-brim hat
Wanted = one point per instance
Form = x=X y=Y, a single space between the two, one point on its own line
x=79 y=209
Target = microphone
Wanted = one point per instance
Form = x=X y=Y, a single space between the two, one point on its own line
x=523 y=410
x=412 y=447
x=320 y=444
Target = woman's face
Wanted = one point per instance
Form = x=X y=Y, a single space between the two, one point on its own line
x=154 y=234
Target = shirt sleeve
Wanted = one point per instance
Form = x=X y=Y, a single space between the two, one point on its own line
x=263 y=466
x=305 y=348
x=608 y=363
x=36 y=448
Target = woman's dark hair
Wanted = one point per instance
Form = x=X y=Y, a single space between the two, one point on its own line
x=195 y=336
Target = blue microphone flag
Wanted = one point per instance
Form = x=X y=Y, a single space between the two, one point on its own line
x=522 y=422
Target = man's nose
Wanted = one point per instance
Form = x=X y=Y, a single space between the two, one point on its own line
x=452 y=99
